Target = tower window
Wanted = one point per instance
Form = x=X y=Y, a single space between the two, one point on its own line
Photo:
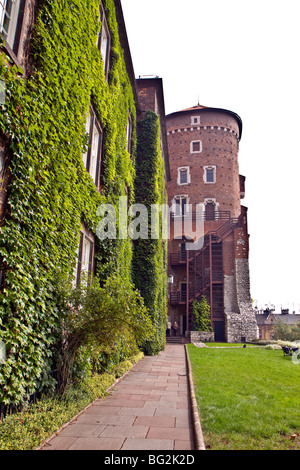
x=196 y=146
x=183 y=176
x=180 y=205
x=209 y=174
x=195 y=120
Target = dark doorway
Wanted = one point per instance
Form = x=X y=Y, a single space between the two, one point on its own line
x=219 y=328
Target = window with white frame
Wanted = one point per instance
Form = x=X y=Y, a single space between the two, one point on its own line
x=196 y=146
x=9 y=15
x=195 y=120
x=92 y=158
x=104 y=41
x=180 y=204
x=183 y=175
x=85 y=258
x=209 y=174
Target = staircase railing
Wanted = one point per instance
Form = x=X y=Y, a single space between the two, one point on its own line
x=217 y=236
x=202 y=281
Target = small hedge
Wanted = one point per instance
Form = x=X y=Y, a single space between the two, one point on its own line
x=28 y=429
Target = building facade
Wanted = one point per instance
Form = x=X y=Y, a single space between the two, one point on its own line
x=69 y=115
x=206 y=188
x=77 y=130
x=268 y=319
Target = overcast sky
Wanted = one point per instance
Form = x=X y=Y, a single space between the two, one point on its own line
x=243 y=56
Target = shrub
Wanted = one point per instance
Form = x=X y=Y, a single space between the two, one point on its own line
x=201 y=313
x=110 y=320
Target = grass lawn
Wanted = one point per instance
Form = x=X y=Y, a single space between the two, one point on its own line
x=248 y=399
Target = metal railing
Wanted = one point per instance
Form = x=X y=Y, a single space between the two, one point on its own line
x=217 y=215
x=215 y=236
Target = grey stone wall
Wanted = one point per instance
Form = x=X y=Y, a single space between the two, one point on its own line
x=201 y=336
x=230 y=297
x=240 y=324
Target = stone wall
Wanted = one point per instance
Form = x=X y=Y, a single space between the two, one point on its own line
x=201 y=336
x=241 y=326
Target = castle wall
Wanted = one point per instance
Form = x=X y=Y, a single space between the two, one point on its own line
x=242 y=326
x=218 y=137
x=240 y=317
x=200 y=139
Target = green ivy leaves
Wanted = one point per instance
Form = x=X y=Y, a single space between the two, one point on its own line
x=50 y=192
x=149 y=258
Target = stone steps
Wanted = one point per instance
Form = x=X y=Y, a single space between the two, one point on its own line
x=174 y=339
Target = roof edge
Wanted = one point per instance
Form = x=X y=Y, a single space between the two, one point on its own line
x=206 y=109
x=126 y=48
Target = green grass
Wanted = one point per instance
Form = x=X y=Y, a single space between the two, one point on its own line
x=248 y=399
x=228 y=345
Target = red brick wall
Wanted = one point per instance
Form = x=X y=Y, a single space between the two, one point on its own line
x=241 y=237
x=147 y=98
x=228 y=256
x=219 y=135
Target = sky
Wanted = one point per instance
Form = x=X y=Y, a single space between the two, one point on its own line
x=242 y=56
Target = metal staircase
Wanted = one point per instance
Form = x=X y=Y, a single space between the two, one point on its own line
x=204 y=271
x=205 y=266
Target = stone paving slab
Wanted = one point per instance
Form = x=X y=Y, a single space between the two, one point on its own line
x=149 y=409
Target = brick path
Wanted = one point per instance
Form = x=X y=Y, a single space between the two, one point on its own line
x=149 y=409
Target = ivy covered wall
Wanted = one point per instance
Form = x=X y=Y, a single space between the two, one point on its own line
x=149 y=264
x=50 y=193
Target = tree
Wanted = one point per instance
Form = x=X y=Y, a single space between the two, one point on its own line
x=287 y=332
x=201 y=312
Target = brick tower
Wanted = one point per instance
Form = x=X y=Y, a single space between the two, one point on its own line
x=205 y=183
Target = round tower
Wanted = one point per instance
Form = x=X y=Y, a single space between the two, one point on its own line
x=203 y=147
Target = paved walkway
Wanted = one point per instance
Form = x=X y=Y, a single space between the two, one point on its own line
x=149 y=409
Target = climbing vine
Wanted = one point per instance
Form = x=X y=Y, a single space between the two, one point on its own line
x=201 y=315
x=49 y=192
x=149 y=258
